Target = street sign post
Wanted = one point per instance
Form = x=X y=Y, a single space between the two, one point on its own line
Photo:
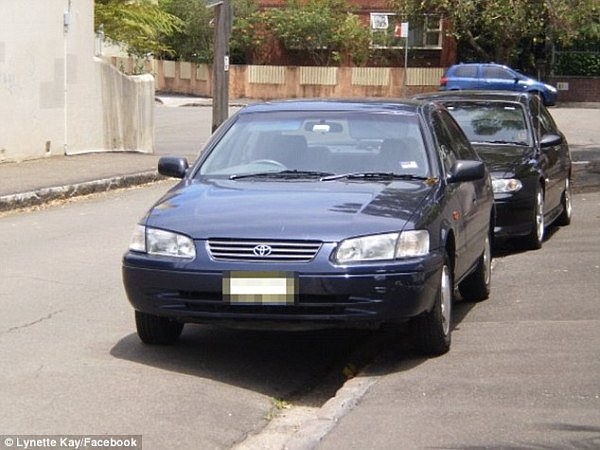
x=404 y=30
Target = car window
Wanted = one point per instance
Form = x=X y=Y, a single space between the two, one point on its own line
x=495 y=122
x=320 y=141
x=465 y=71
x=497 y=72
x=542 y=120
x=459 y=141
x=445 y=147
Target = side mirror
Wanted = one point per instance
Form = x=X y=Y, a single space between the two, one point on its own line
x=171 y=166
x=550 y=140
x=465 y=170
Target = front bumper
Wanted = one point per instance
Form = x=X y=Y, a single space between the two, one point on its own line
x=514 y=216
x=340 y=297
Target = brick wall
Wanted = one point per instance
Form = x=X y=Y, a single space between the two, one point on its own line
x=577 y=89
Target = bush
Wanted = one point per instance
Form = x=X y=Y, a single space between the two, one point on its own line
x=577 y=64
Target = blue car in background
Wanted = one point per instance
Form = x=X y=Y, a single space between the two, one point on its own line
x=489 y=76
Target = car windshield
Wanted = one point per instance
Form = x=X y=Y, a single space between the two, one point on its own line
x=319 y=144
x=492 y=122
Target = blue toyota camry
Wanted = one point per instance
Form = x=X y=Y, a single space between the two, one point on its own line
x=314 y=213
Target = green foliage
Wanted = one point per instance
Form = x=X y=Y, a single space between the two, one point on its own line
x=140 y=25
x=193 y=41
x=496 y=29
x=249 y=35
x=577 y=64
x=323 y=30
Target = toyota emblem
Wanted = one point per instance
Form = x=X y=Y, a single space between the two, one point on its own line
x=262 y=250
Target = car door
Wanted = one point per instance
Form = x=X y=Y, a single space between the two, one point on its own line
x=555 y=160
x=498 y=78
x=462 y=197
x=464 y=77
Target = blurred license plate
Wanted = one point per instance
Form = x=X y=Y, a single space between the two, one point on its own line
x=260 y=288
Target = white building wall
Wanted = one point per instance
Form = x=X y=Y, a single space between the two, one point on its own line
x=53 y=98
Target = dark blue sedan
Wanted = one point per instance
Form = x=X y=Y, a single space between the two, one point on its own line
x=302 y=214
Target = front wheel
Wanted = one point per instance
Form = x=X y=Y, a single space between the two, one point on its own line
x=157 y=330
x=476 y=286
x=432 y=330
x=567 y=207
x=534 y=240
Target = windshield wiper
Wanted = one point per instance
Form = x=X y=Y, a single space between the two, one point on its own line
x=374 y=176
x=289 y=174
x=522 y=144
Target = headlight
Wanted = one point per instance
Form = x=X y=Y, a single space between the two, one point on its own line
x=162 y=243
x=413 y=243
x=382 y=247
x=504 y=185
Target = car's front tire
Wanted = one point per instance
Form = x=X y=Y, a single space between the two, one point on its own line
x=534 y=240
x=157 y=330
x=567 y=207
x=432 y=330
x=476 y=286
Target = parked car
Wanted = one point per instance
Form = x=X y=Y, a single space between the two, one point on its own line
x=489 y=76
x=528 y=157
x=302 y=214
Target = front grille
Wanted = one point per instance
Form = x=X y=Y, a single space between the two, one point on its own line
x=254 y=250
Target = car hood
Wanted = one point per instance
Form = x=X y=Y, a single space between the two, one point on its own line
x=504 y=160
x=321 y=210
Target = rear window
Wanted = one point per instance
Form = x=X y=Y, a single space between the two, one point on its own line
x=496 y=122
x=465 y=72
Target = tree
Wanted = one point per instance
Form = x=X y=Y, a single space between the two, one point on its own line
x=323 y=30
x=495 y=30
x=140 y=25
x=193 y=41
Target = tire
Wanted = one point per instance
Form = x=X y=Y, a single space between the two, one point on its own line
x=157 y=330
x=432 y=330
x=567 y=207
x=535 y=239
x=476 y=286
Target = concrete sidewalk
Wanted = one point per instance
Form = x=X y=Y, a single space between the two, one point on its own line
x=35 y=182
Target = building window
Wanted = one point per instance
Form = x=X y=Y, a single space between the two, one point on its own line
x=386 y=32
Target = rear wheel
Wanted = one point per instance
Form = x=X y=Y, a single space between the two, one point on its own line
x=476 y=287
x=534 y=240
x=157 y=330
x=432 y=330
x=567 y=207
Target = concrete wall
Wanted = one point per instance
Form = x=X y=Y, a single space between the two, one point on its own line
x=271 y=82
x=52 y=89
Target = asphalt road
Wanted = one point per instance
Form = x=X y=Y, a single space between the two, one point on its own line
x=182 y=131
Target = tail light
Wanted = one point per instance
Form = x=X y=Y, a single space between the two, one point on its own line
x=443 y=81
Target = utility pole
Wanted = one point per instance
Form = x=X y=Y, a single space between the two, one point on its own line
x=220 y=78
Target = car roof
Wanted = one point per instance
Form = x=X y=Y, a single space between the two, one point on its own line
x=366 y=105
x=480 y=64
x=476 y=95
